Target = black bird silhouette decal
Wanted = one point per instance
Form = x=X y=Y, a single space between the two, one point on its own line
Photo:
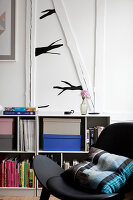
x=41 y=50
x=47 y=13
x=70 y=87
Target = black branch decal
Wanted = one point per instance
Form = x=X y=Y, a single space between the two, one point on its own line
x=41 y=50
x=70 y=87
x=47 y=13
x=43 y=106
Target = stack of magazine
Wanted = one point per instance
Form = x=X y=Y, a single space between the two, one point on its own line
x=27 y=135
x=19 y=111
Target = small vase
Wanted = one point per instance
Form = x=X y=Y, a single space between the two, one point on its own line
x=83 y=107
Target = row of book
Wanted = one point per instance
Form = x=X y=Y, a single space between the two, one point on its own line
x=27 y=135
x=19 y=111
x=92 y=135
x=14 y=173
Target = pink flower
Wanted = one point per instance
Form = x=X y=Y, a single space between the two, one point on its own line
x=85 y=94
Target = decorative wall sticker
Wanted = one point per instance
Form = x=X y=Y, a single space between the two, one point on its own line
x=43 y=106
x=42 y=50
x=70 y=87
x=47 y=13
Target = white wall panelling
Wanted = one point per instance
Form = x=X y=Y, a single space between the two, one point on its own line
x=114 y=59
x=30 y=46
x=99 y=55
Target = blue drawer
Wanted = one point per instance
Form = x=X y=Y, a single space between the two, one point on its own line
x=52 y=142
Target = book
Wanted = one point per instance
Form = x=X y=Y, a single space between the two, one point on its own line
x=26 y=138
x=19 y=112
x=93 y=132
x=27 y=135
x=87 y=139
x=31 y=178
x=21 y=132
x=22 y=176
x=31 y=134
x=18 y=174
x=2 y=174
x=5 y=178
x=12 y=173
x=15 y=172
x=20 y=108
x=9 y=166
x=25 y=174
x=15 y=108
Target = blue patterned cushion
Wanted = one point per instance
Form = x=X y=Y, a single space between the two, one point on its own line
x=105 y=172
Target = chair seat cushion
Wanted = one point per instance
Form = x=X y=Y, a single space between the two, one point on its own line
x=104 y=172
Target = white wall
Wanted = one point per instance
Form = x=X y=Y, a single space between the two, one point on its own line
x=115 y=52
x=12 y=73
x=118 y=60
x=52 y=69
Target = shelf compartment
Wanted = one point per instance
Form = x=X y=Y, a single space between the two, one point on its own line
x=53 y=155
x=78 y=122
x=70 y=158
x=8 y=133
x=17 y=170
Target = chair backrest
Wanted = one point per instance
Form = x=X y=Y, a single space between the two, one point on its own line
x=118 y=139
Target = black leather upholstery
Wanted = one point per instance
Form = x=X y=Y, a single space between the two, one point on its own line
x=118 y=139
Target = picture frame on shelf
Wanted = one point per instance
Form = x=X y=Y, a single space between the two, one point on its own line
x=7 y=30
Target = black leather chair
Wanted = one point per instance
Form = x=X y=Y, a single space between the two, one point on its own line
x=116 y=138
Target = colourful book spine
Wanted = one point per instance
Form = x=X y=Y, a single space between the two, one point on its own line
x=8 y=173
x=22 y=179
x=12 y=174
x=15 y=172
x=31 y=178
x=19 y=112
x=20 y=175
x=5 y=171
x=2 y=173
x=28 y=173
x=30 y=109
x=25 y=173
x=15 y=108
x=27 y=162
x=20 y=108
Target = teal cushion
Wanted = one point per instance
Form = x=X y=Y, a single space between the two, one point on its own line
x=104 y=172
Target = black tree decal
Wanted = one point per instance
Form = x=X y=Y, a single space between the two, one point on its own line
x=43 y=106
x=47 y=13
x=41 y=50
x=70 y=87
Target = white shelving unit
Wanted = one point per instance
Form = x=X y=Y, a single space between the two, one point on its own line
x=87 y=121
